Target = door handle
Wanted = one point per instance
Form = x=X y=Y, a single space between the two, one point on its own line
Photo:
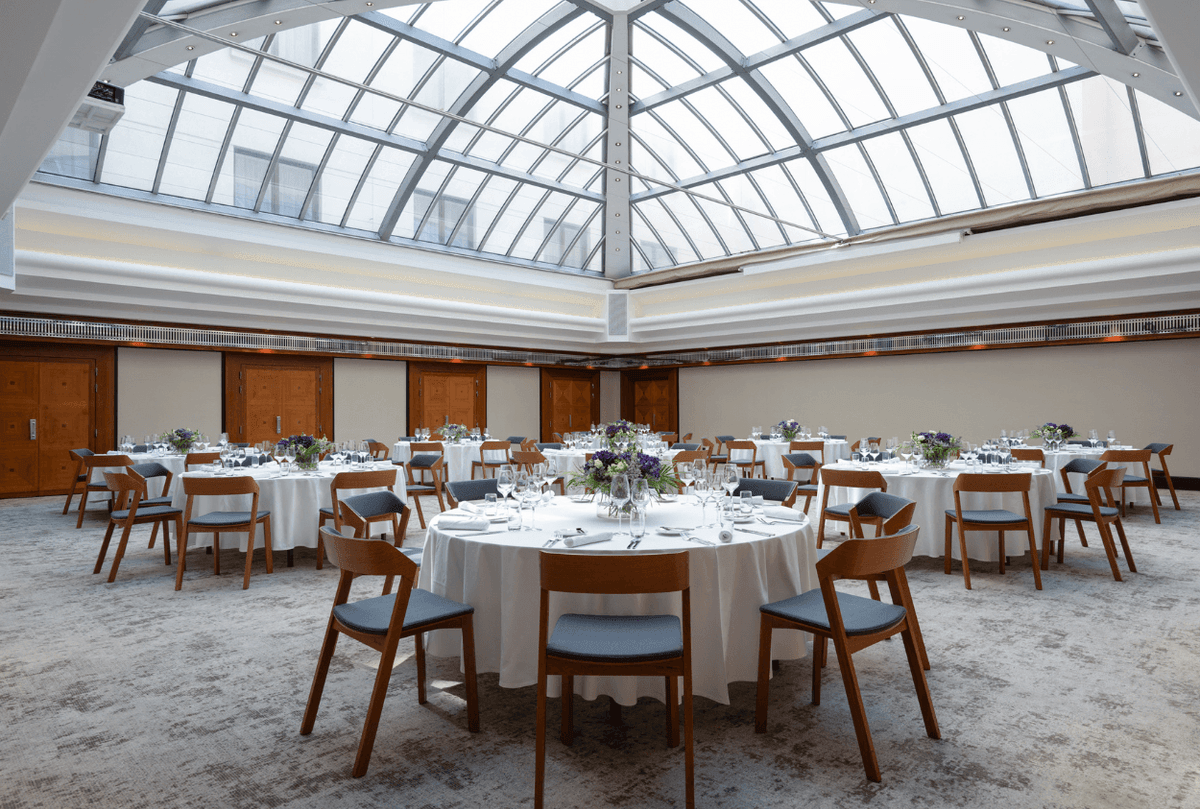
x=278 y=425
x=569 y=418
x=33 y=429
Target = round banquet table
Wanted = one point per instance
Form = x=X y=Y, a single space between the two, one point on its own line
x=1059 y=459
x=934 y=493
x=458 y=457
x=497 y=572
x=173 y=462
x=772 y=452
x=294 y=500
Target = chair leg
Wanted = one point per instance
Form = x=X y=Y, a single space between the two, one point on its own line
x=420 y=515
x=672 y=710
x=1033 y=553
x=821 y=529
x=267 y=544
x=1046 y=526
x=946 y=536
x=153 y=535
x=858 y=711
x=764 y=675
x=216 y=552
x=539 y=778
x=962 y=548
x=1110 y=550
x=922 y=685
x=82 y=505
x=166 y=526
x=1153 y=500
x=120 y=554
x=874 y=589
x=1166 y=474
x=689 y=743
x=104 y=547
x=820 y=652
x=1125 y=546
x=567 y=699
x=1002 y=556
x=472 y=682
x=419 y=643
x=180 y=557
x=378 y=695
x=905 y=596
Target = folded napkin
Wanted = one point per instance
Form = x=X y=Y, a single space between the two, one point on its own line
x=470 y=508
x=451 y=522
x=725 y=535
x=586 y=539
x=781 y=513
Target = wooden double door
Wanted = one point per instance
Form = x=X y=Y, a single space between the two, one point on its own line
x=49 y=406
x=570 y=401
x=439 y=393
x=651 y=397
x=269 y=398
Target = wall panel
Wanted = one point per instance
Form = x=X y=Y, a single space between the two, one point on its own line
x=369 y=399
x=161 y=389
x=513 y=400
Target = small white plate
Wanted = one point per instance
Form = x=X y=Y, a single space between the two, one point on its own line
x=668 y=532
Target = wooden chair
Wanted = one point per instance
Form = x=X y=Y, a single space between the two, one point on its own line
x=91 y=462
x=124 y=485
x=813 y=448
x=492 y=456
x=1162 y=451
x=415 y=489
x=1143 y=481
x=221 y=522
x=615 y=645
x=990 y=519
x=714 y=457
x=556 y=436
x=687 y=437
x=871 y=439
x=381 y=622
x=344 y=481
x=379 y=451
x=528 y=445
x=525 y=461
x=781 y=491
x=1099 y=486
x=199 y=460
x=746 y=466
x=850 y=479
x=1029 y=454
x=1080 y=466
x=424 y=454
x=436 y=437
x=151 y=470
x=460 y=491
x=793 y=462
x=81 y=473
x=853 y=623
x=670 y=438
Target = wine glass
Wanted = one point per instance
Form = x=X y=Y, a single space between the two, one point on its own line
x=1112 y=438
x=701 y=490
x=529 y=491
x=1005 y=455
x=549 y=474
x=619 y=492
x=730 y=478
x=639 y=495
x=506 y=480
x=686 y=473
x=906 y=452
x=873 y=451
x=223 y=440
x=289 y=455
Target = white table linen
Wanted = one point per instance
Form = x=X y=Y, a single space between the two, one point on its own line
x=934 y=493
x=295 y=502
x=458 y=457
x=772 y=452
x=498 y=574
x=173 y=462
x=1056 y=460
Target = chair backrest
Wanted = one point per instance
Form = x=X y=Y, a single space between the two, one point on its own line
x=106 y=461
x=462 y=491
x=217 y=486
x=682 y=446
x=526 y=460
x=372 y=479
x=689 y=456
x=610 y=574
x=425 y=454
x=436 y=436
x=724 y=439
x=200 y=459
x=859 y=558
x=1029 y=454
x=742 y=447
x=515 y=439
x=687 y=437
x=1124 y=456
x=983 y=482
x=801 y=460
x=431 y=465
x=853 y=478
x=1157 y=449
x=125 y=482
x=547 y=445
x=896 y=512
x=78 y=455
x=495 y=452
x=378 y=450
x=783 y=491
x=529 y=445
x=837 y=438
x=557 y=437
x=360 y=509
x=670 y=438
x=153 y=469
x=366 y=557
x=811 y=447
x=1102 y=482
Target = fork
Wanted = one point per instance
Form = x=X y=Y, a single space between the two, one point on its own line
x=550 y=543
x=633 y=545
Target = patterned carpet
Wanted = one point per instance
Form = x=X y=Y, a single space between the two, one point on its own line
x=130 y=694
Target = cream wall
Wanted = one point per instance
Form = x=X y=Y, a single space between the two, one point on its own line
x=370 y=399
x=513 y=400
x=1145 y=391
x=160 y=390
x=610 y=395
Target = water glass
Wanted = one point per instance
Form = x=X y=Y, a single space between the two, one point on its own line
x=637 y=523
x=489 y=505
x=746 y=504
x=514 y=519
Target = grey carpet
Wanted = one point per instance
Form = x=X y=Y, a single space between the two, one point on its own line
x=133 y=695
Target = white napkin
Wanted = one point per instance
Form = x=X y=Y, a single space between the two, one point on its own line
x=586 y=539
x=470 y=508
x=781 y=513
x=757 y=499
x=725 y=535
x=450 y=522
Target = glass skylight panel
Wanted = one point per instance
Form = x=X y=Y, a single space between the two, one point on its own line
x=945 y=167
x=404 y=68
x=792 y=17
x=488 y=146
x=782 y=194
x=736 y=23
x=828 y=219
x=339 y=179
x=302 y=45
x=510 y=221
x=1013 y=63
x=226 y=67
x=245 y=163
x=277 y=82
x=725 y=221
x=838 y=10
x=571 y=240
x=741 y=192
x=504 y=23
x=195 y=147
x=1172 y=138
x=330 y=98
x=448 y=20
x=540 y=225
x=296 y=170
x=951 y=57
x=74 y=154
x=357 y=50
x=695 y=52
x=1106 y=130
x=703 y=239
x=447 y=83
x=894 y=66
x=1046 y=139
x=804 y=96
x=900 y=177
x=851 y=89
x=136 y=143
x=754 y=108
x=666 y=145
x=592 y=83
x=729 y=122
x=379 y=189
x=860 y=187
x=691 y=132
x=654 y=213
x=489 y=201
x=551 y=56
x=665 y=62
x=994 y=156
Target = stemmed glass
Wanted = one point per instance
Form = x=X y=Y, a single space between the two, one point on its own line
x=906 y=452
x=686 y=473
x=640 y=497
x=226 y=453
x=529 y=491
x=289 y=455
x=730 y=478
x=549 y=474
x=506 y=480
x=619 y=493
x=223 y=440
x=1112 y=438
x=701 y=490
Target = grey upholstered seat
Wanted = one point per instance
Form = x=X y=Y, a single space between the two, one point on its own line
x=880 y=504
x=1072 y=497
x=1082 y=466
x=548 y=445
x=148 y=470
x=1154 y=448
x=1084 y=509
x=767 y=489
x=216 y=518
x=994 y=515
x=466 y=490
x=837 y=438
x=374 y=615
x=686 y=447
x=623 y=638
x=515 y=439
x=375 y=504
x=152 y=511
x=861 y=616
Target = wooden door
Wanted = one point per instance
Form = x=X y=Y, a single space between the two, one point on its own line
x=651 y=397
x=268 y=398
x=570 y=401
x=46 y=409
x=452 y=392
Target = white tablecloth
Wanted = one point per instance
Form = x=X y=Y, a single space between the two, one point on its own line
x=458 y=457
x=498 y=574
x=1057 y=460
x=934 y=494
x=173 y=462
x=294 y=501
x=772 y=452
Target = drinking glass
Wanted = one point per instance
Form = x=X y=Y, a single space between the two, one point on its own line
x=619 y=493
x=289 y=455
x=224 y=439
x=730 y=479
x=906 y=452
x=1005 y=456
x=550 y=474
x=746 y=504
x=1112 y=439
x=873 y=450
x=489 y=504
x=686 y=473
x=506 y=479
x=701 y=490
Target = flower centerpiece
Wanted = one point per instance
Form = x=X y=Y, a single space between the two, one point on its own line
x=789 y=429
x=181 y=439
x=619 y=432
x=597 y=474
x=454 y=433
x=1053 y=434
x=938 y=449
x=308 y=449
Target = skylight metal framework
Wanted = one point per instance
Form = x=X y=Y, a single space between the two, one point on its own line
x=489 y=127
